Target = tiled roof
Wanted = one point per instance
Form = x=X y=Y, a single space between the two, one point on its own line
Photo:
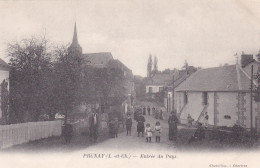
x=4 y=65
x=225 y=78
x=98 y=59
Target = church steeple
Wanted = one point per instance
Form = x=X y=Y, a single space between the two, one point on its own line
x=75 y=36
x=75 y=48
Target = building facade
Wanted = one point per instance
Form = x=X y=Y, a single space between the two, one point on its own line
x=222 y=92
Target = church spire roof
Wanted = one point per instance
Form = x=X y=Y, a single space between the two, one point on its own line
x=75 y=36
x=75 y=47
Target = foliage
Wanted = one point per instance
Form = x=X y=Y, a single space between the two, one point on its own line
x=256 y=89
x=5 y=101
x=67 y=82
x=155 y=66
x=149 y=66
x=258 y=56
x=30 y=59
x=45 y=80
x=106 y=83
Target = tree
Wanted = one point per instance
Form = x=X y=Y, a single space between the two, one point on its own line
x=5 y=101
x=108 y=84
x=29 y=60
x=155 y=65
x=68 y=77
x=256 y=89
x=149 y=66
x=258 y=56
x=186 y=65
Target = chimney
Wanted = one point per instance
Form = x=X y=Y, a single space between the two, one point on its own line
x=246 y=59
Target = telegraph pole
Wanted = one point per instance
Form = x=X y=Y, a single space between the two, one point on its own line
x=173 y=92
x=251 y=100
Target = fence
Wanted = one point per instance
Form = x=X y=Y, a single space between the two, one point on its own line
x=24 y=132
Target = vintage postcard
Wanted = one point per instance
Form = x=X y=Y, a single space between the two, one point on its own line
x=130 y=83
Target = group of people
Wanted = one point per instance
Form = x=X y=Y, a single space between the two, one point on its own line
x=142 y=128
x=158 y=114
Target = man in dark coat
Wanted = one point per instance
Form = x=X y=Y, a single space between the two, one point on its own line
x=149 y=110
x=173 y=121
x=93 y=125
x=144 y=111
x=153 y=110
x=140 y=124
x=128 y=125
x=136 y=114
x=68 y=130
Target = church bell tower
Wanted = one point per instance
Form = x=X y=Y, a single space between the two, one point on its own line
x=75 y=48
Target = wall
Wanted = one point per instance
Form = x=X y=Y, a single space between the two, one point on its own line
x=233 y=104
x=194 y=106
x=227 y=105
x=155 y=88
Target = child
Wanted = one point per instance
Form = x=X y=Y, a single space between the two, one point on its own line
x=149 y=133
x=157 y=131
x=190 y=120
x=128 y=125
x=206 y=119
x=116 y=127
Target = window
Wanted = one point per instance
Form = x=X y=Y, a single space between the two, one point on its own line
x=228 y=117
x=150 y=89
x=185 y=97
x=205 y=98
x=160 y=89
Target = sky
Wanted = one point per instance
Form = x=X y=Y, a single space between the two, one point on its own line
x=206 y=33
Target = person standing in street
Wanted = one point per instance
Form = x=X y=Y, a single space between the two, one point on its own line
x=144 y=111
x=161 y=114
x=128 y=125
x=68 y=130
x=153 y=111
x=190 y=120
x=112 y=128
x=206 y=119
x=157 y=130
x=136 y=114
x=148 y=132
x=93 y=125
x=173 y=121
x=149 y=110
x=140 y=124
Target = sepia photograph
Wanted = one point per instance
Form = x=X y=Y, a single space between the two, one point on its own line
x=130 y=83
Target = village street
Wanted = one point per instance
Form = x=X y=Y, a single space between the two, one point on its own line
x=133 y=142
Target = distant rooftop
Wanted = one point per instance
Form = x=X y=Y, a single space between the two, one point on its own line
x=98 y=59
x=4 y=65
x=225 y=78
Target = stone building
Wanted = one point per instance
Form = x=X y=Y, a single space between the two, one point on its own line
x=223 y=92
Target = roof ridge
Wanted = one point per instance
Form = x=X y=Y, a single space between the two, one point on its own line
x=98 y=53
x=247 y=75
x=238 y=78
x=188 y=79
